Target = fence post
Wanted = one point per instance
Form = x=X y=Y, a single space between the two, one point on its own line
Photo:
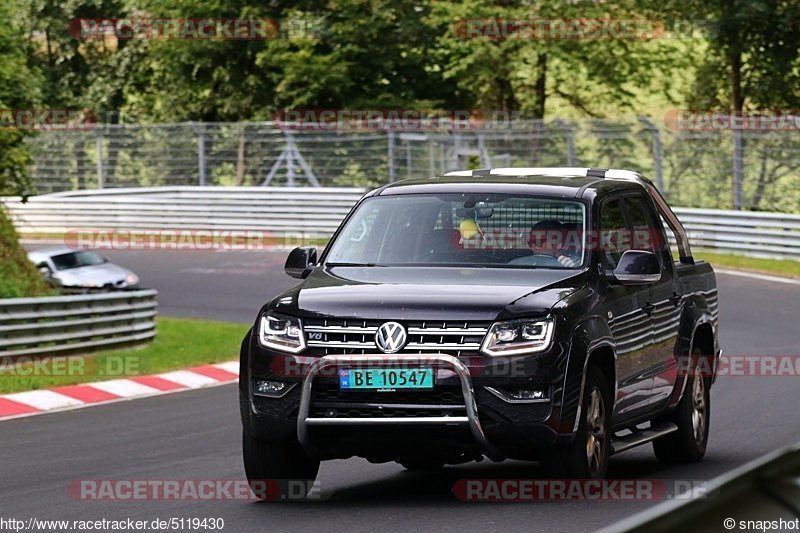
x=658 y=160
x=390 y=155
x=431 y=166
x=201 y=155
x=408 y=158
x=290 y=151
x=738 y=167
x=569 y=137
x=98 y=143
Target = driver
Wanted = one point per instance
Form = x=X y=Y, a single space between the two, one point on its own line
x=546 y=238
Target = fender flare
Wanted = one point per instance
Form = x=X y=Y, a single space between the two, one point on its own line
x=696 y=314
x=587 y=336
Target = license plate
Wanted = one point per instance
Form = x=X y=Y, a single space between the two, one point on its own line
x=386 y=379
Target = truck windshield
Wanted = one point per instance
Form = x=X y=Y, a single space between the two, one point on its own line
x=460 y=230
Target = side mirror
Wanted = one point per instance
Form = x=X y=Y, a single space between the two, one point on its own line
x=44 y=270
x=637 y=267
x=300 y=261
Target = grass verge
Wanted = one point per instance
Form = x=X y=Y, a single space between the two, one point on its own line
x=777 y=267
x=180 y=343
x=18 y=276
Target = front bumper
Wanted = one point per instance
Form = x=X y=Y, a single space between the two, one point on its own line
x=478 y=418
x=471 y=419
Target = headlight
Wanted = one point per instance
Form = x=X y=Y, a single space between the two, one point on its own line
x=518 y=337
x=132 y=279
x=281 y=332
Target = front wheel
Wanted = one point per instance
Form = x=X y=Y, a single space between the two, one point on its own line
x=587 y=456
x=265 y=460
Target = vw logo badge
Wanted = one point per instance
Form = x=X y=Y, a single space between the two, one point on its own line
x=391 y=337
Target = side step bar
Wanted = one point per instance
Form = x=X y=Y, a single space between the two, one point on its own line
x=642 y=436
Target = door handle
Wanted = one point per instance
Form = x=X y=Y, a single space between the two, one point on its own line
x=648 y=308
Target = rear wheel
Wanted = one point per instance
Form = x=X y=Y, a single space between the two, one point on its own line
x=692 y=416
x=265 y=460
x=587 y=456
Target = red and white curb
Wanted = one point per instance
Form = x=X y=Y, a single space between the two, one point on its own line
x=29 y=403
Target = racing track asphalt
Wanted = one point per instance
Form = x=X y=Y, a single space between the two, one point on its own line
x=196 y=435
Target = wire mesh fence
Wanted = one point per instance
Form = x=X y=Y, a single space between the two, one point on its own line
x=724 y=169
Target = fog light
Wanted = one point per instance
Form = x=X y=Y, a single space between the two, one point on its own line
x=273 y=389
x=528 y=394
x=521 y=394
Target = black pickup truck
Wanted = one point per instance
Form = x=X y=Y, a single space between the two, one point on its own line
x=545 y=314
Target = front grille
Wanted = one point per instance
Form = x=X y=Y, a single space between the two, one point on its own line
x=327 y=401
x=358 y=411
x=441 y=395
x=352 y=336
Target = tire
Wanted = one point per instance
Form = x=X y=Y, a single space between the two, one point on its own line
x=265 y=460
x=692 y=416
x=587 y=456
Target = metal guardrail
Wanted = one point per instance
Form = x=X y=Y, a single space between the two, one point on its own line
x=743 y=232
x=65 y=324
x=279 y=210
x=316 y=212
x=764 y=490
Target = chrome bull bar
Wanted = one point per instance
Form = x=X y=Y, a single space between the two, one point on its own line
x=447 y=361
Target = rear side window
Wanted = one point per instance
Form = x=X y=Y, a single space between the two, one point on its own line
x=640 y=217
x=613 y=232
x=670 y=245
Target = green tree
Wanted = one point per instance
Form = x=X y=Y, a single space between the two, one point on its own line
x=753 y=62
x=593 y=77
x=18 y=90
x=333 y=54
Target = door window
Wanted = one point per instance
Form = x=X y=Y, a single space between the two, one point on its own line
x=613 y=234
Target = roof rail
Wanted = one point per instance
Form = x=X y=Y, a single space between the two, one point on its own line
x=566 y=172
x=596 y=172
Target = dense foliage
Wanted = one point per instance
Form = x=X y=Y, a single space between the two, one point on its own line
x=357 y=54
x=739 y=55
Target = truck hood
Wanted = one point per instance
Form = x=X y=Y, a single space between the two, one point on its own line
x=415 y=293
